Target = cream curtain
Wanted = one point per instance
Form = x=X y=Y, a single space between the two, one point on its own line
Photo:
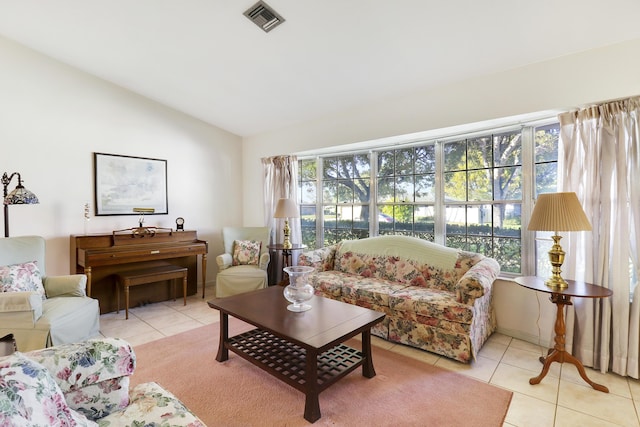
x=600 y=161
x=280 y=181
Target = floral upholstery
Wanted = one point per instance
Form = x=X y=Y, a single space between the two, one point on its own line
x=151 y=403
x=438 y=303
x=23 y=277
x=246 y=252
x=29 y=396
x=103 y=364
x=82 y=384
x=320 y=259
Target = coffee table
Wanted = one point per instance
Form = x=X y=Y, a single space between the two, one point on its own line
x=305 y=350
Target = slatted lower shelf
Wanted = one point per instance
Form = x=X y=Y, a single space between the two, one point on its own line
x=287 y=361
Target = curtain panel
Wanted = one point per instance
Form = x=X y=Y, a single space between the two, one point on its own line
x=280 y=181
x=600 y=162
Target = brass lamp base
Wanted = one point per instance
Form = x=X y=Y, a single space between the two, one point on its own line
x=556 y=257
x=287 y=243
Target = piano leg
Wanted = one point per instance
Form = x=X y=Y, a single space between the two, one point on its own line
x=204 y=272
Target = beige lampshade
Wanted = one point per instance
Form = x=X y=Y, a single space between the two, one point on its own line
x=286 y=208
x=558 y=212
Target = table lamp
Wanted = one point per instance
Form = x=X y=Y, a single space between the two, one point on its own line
x=558 y=212
x=286 y=208
x=19 y=196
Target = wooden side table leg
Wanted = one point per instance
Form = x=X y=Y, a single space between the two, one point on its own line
x=554 y=356
x=559 y=353
x=571 y=359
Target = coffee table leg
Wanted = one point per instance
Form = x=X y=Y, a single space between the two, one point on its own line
x=367 y=367
x=312 y=404
x=223 y=351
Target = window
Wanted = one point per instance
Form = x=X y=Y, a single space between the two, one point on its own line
x=345 y=190
x=483 y=196
x=546 y=140
x=466 y=192
x=307 y=199
x=407 y=192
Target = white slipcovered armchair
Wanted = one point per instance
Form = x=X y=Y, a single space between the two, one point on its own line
x=242 y=271
x=56 y=312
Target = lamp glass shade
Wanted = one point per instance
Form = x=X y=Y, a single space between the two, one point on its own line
x=286 y=208
x=21 y=196
x=558 y=212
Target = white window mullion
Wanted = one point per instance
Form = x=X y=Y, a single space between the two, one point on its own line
x=319 y=205
x=439 y=208
x=528 y=267
x=373 y=200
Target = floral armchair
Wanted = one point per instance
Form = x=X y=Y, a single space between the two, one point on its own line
x=40 y=310
x=84 y=384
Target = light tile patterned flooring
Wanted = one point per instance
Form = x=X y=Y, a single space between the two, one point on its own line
x=561 y=399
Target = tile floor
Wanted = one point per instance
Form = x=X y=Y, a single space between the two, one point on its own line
x=561 y=399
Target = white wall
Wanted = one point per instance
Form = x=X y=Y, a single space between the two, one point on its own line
x=54 y=117
x=562 y=83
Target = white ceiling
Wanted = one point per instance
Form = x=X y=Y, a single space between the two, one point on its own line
x=204 y=58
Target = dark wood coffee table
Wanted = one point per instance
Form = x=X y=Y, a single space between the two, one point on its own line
x=305 y=350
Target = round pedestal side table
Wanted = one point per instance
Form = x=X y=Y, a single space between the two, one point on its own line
x=283 y=279
x=561 y=298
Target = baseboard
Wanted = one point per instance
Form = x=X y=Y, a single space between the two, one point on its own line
x=533 y=339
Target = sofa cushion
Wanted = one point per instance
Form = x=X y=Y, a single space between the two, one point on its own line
x=320 y=259
x=21 y=277
x=433 y=303
x=328 y=283
x=150 y=403
x=246 y=252
x=29 y=395
x=366 y=291
x=400 y=259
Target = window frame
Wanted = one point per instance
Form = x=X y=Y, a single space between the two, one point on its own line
x=528 y=187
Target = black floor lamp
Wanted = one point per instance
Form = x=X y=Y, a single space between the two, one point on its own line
x=19 y=196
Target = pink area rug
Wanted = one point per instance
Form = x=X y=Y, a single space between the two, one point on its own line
x=405 y=392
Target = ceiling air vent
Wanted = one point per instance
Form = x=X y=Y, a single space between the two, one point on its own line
x=264 y=16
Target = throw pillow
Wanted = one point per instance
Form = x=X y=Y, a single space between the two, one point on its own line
x=29 y=395
x=246 y=252
x=21 y=277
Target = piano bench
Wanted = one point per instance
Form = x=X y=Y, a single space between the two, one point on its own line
x=150 y=275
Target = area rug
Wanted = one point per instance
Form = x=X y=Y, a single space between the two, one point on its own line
x=405 y=392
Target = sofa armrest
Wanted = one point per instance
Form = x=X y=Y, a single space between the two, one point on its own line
x=93 y=375
x=320 y=259
x=77 y=365
x=73 y=285
x=224 y=261
x=21 y=306
x=265 y=258
x=477 y=281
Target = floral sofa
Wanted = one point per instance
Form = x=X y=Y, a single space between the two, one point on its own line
x=436 y=298
x=83 y=384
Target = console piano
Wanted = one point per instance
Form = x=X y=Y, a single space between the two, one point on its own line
x=102 y=256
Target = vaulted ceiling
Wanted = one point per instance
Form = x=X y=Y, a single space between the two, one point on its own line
x=206 y=59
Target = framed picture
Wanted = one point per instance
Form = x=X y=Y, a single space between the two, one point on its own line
x=123 y=183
